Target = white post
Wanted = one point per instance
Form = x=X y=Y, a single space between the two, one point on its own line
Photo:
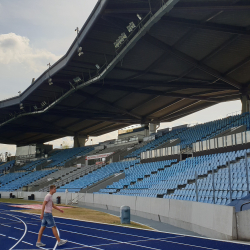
x=247 y=177
x=66 y=197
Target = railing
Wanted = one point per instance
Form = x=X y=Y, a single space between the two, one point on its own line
x=175 y=150
x=224 y=141
x=244 y=205
x=23 y=157
x=234 y=113
x=73 y=177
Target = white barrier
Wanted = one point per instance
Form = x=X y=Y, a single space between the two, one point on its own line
x=214 y=221
x=210 y=220
x=224 y=141
x=175 y=150
x=243 y=225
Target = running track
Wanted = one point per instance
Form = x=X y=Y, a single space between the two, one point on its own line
x=19 y=231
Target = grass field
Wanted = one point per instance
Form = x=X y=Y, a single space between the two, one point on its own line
x=78 y=213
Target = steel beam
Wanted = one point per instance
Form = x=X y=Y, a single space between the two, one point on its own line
x=49 y=125
x=160 y=93
x=210 y=55
x=178 y=110
x=182 y=56
x=90 y=126
x=171 y=84
x=108 y=104
x=163 y=107
x=239 y=65
x=207 y=25
x=186 y=7
x=161 y=59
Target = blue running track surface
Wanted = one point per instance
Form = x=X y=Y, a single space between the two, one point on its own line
x=19 y=231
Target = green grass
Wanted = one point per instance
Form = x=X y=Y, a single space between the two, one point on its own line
x=18 y=201
x=78 y=213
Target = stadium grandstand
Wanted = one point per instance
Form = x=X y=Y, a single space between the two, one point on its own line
x=140 y=63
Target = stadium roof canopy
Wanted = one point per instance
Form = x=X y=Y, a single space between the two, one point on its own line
x=179 y=57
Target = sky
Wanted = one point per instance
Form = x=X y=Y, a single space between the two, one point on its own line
x=35 y=33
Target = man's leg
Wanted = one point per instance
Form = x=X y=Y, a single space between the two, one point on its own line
x=55 y=233
x=40 y=234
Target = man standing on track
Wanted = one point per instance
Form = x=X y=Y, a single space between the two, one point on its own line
x=47 y=218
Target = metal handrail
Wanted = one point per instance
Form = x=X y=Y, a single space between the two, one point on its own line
x=244 y=205
x=84 y=171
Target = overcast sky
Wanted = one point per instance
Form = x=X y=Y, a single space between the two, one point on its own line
x=34 y=33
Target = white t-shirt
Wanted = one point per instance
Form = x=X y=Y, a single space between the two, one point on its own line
x=48 y=206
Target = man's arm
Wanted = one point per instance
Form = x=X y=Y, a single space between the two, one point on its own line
x=43 y=207
x=57 y=208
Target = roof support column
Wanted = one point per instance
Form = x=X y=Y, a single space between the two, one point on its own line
x=80 y=140
x=245 y=103
x=153 y=127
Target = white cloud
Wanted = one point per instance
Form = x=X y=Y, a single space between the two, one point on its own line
x=15 y=49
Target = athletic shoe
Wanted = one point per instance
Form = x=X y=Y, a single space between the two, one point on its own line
x=40 y=244
x=62 y=242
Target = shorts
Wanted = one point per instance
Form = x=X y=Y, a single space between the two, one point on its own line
x=48 y=220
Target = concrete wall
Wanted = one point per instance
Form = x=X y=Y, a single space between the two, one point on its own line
x=243 y=225
x=213 y=221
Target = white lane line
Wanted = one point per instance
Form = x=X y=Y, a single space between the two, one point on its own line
x=125 y=234
x=18 y=228
x=98 y=229
x=104 y=230
x=43 y=235
x=5 y=225
x=3 y=235
x=189 y=245
x=85 y=245
x=27 y=243
x=148 y=230
x=14 y=211
x=32 y=224
x=25 y=231
x=34 y=233
x=171 y=233
x=159 y=240
x=19 y=215
x=165 y=240
x=56 y=241
x=12 y=238
x=117 y=241
x=22 y=216
x=136 y=241
x=108 y=244
x=9 y=219
x=68 y=241
x=74 y=248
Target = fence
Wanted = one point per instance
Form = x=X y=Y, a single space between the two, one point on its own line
x=175 y=150
x=225 y=141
